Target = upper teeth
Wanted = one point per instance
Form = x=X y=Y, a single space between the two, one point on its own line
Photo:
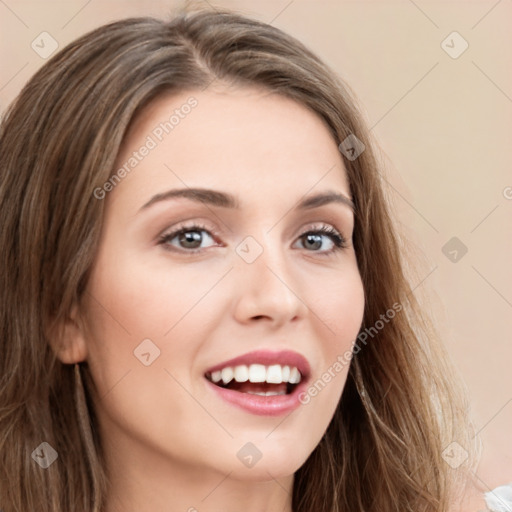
x=273 y=374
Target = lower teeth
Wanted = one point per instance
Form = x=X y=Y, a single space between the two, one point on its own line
x=268 y=393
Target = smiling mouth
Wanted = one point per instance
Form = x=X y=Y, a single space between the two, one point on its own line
x=257 y=379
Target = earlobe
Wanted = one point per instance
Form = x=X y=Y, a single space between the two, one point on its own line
x=67 y=339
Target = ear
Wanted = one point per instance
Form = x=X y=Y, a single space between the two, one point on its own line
x=68 y=340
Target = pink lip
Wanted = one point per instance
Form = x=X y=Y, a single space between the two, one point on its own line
x=265 y=405
x=266 y=357
x=262 y=405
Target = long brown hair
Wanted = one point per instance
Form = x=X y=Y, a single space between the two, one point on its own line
x=58 y=143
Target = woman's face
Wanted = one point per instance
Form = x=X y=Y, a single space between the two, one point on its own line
x=185 y=282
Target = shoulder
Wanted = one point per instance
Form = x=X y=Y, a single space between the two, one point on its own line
x=499 y=499
x=475 y=499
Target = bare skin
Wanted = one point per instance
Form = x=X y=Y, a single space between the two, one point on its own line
x=171 y=442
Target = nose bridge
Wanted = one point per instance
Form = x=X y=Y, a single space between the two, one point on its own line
x=266 y=283
x=264 y=255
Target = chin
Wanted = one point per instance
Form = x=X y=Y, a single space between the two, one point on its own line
x=273 y=464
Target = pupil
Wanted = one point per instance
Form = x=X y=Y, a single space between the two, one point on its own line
x=191 y=239
x=314 y=239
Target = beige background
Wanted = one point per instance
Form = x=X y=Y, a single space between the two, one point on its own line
x=444 y=126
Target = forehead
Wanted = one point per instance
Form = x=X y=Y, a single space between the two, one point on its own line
x=240 y=139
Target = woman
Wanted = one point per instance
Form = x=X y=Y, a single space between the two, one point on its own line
x=204 y=303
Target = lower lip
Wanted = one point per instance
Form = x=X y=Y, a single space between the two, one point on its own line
x=274 y=405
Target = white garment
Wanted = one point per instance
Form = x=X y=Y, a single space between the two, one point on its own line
x=500 y=499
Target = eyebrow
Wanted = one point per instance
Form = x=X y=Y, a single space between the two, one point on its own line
x=225 y=200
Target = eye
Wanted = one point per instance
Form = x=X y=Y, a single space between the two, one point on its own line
x=191 y=239
x=316 y=239
x=187 y=238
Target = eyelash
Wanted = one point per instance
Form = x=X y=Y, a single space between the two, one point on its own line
x=337 y=238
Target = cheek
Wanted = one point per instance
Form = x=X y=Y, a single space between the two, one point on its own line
x=343 y=305
x=144 y=299
x=338 y=313
x=337 y=301
x=136 y=309
x=146 y=327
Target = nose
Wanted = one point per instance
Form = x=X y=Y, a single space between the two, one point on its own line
x=267 y=290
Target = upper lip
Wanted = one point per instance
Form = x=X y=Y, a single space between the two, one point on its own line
x=268 y=358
